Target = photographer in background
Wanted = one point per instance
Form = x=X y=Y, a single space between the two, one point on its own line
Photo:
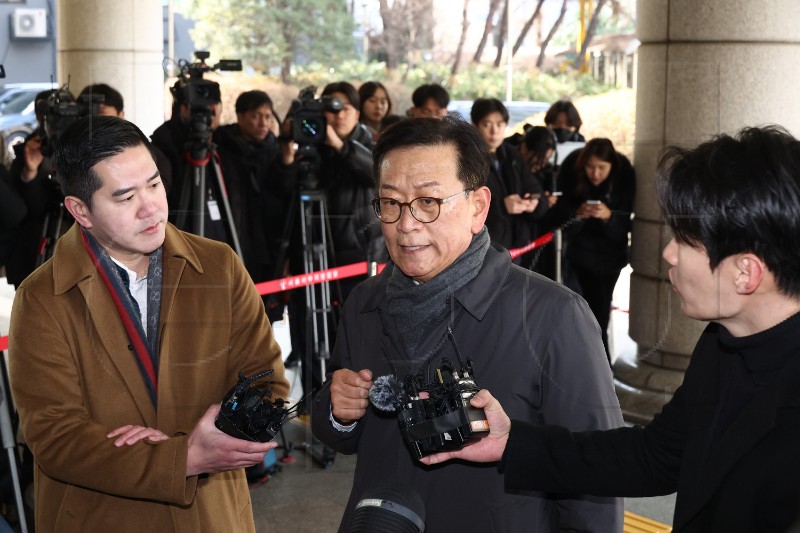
x=531 y=341
x=12 y=212
x=258 y=197
x=345 y=178
x=171 y=139
x=33 y=177
x=105 y=100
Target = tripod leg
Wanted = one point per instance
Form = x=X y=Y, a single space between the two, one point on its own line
x=199 y=200
x=9 y=443
x=313 y=220
x=226 y=204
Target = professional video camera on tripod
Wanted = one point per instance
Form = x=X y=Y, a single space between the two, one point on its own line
x=202 y=205
x=311 y=243
x=58 y=110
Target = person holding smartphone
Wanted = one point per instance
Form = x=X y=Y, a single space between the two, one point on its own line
x=515 y=205
x=599 y=186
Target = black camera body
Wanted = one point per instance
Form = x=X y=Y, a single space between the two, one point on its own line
x=199 y=94
x=246 y=413
x=60 y=110
x=309 y=125
x=444 y=420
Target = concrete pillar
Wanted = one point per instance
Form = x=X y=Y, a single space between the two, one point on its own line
x=705 y=67
x=116 y=42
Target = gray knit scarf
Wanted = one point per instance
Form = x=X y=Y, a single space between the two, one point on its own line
x=413 y=305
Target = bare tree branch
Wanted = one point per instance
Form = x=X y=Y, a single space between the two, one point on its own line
x=460 y=47
x=501 y=36
x=524 y=32
x=487 y=30
x=553 y=30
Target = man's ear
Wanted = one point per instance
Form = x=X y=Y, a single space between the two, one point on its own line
x=750 y=272
x=79 y=210
x=481 y=198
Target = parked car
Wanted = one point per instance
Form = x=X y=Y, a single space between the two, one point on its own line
x=17 y=113
x=517 y=111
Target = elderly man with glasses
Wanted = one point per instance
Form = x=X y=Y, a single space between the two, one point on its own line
x=447 y=296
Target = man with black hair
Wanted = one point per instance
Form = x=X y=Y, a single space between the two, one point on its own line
x=258 y=197
x=446 y=287
x=121 y=348
x=171 y=139
x=727 y=441
x=430 y=100
x=112 y=103
x=516 y=195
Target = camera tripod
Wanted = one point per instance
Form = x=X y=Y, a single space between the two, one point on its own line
x=315 y=235
x=10 y=443
x=196 y=195
x=51 y=231
x=53 y=221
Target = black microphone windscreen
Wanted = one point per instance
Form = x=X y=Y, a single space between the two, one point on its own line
x=389 y=509
x=387 y=393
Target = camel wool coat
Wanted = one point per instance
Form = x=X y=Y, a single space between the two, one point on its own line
x=74 y=378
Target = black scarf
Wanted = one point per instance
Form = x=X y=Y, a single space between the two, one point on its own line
x=413 y=305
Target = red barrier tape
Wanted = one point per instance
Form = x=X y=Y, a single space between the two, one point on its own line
x=541 y=241
x=333 y=274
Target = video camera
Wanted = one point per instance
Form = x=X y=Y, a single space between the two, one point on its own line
x=59 y=110
x=309 y=130
x=307 y=113
x=444 y=420
x=247 y=414
x=200 y=94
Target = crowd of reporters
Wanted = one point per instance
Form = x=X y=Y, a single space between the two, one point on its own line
x=533 y=192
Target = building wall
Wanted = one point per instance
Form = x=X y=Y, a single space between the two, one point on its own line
x=705 y=67
x=29 y=59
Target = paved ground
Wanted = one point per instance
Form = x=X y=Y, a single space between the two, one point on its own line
x=306 y=498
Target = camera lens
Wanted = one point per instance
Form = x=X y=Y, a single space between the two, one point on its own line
x=310 y=128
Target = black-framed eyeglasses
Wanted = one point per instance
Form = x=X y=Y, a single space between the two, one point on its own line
x=425 y=209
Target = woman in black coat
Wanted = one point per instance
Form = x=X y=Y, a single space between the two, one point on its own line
x=599 y=186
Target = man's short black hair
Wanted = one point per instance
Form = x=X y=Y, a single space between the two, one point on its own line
x=473 y=158
x=738 y=195
x=423 y=93
x=485 y=106
x=249 y=100
x=564 y=106
x=111 y=96
x=88 y=141
x=346 y=89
